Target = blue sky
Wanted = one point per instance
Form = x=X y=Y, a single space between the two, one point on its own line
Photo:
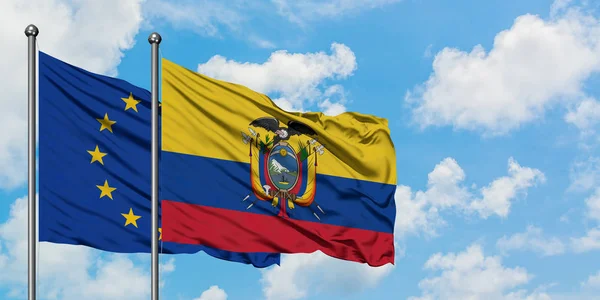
x=493 y=108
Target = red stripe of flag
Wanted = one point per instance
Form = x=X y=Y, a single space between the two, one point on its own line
x=249 y=232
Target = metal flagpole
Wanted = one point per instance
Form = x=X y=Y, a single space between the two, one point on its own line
x=31 y=32
x=154 y=39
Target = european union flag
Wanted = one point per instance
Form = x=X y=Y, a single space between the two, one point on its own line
x=95 y=165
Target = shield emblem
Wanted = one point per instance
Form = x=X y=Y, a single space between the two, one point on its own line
x=282 y=166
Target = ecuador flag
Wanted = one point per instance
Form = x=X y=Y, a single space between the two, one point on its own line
x=240 y=174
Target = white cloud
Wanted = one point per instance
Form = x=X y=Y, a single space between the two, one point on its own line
x=427 y=53
x=585 y=174
x=496 y=196
x=589 y=242
x=532 y=239
x=204 y=16
x=533 y=66
x=472 y=275
x=213 y=293
x=297 y=78
x=586 y=116
x=334 y=101
x=209 y=17
x=559 y=6
x=74 y=31
x=261 y=42
x=167 y=267
x=331 y=109
x=536 y=295
x=68 y=271
x=301 y=275
x=116 y=278
x=593 y=205
x=420 y=211
x=301 y=11
x=593 y=282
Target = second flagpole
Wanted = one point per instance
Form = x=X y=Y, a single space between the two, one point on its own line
x=154 y=39
x=31 y=32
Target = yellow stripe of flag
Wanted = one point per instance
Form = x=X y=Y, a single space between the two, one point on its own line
x=203 y=116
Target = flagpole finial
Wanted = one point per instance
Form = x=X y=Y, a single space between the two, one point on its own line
x=154 y=38
x=32 y=30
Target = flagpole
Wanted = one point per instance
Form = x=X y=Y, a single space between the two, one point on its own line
x=154 y=39
x=31 y=32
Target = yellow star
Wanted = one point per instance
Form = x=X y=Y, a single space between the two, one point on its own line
x=106 y=190
x=130 y=218
x=106 y=123
x=97 y=155
x=160 y=230
x=131 y=103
